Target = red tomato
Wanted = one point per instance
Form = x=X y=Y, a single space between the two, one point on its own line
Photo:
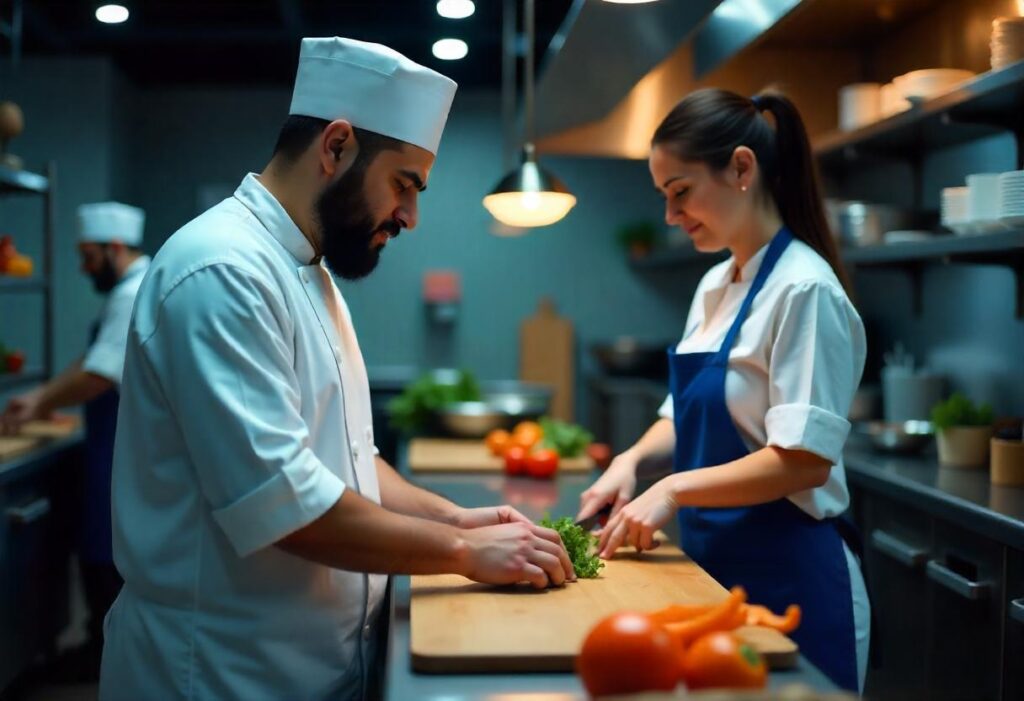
x=625 y=653
x=722 y=661
x=15 y=361
x=515 y=460
x=600 y=453
x=542 y=463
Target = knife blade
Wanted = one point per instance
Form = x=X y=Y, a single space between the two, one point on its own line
x=593 y=520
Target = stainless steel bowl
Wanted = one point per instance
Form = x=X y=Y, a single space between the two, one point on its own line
x=504 y=404
x=899 y=436
x=864 y=223
x=626 y=356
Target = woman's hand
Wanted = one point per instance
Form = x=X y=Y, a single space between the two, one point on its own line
x=636 y=523
x=487 y=516
x=615 y=487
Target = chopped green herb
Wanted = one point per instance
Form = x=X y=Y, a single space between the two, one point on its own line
x=580 y=545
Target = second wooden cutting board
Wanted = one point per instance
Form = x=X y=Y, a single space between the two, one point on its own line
x=453 y=455
x=462 y=626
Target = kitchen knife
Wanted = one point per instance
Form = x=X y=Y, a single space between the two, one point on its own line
x=593 y=520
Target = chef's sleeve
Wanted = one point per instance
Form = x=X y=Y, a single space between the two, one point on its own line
x=105 y=356
x=223 y=349
x=815 y=365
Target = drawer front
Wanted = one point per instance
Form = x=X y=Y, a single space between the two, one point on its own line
x=965 y=600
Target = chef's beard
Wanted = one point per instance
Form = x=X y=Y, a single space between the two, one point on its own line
x=105 y=279
x=347 y=227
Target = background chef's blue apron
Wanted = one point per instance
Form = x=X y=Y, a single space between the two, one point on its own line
x=100 y=423
x=776 y=551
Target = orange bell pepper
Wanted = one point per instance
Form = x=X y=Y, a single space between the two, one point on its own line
x=762 y=616
x=722 y=616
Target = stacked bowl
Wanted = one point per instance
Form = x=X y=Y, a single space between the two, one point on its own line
x=1007 y=43
x=1011 y=198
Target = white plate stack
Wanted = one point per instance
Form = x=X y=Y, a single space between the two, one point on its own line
x=983 y=202
x=1007 y=43
x=955 y=212
x=918 y=86
x=1011 y=198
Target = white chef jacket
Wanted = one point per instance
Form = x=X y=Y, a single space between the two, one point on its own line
x=105 y=356
x=792 y=372
x=244 y=415
x=796 y=362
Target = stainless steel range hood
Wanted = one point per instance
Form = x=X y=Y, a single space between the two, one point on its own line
x=614 y=70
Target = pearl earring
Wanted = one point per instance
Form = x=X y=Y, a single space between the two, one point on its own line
x=743 y=187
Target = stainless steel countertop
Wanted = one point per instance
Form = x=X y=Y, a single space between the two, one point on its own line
x=533 y=498
x=965 y=497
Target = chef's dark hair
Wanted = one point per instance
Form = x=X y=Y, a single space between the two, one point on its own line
x=708 y=125
x=299 y=131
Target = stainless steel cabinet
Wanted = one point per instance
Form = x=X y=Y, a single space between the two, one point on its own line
x=897 y=548
x=35 y=543
x=965 y=610
x=1013 y=645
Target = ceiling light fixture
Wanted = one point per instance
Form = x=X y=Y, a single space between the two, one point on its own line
x=112 y=14
x=529 y=196
x=450 y=49
x=455 y=9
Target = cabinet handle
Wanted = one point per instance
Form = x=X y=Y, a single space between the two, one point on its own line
x=1017 y=610
x=904 y=553
x=33 y=511
x=957 y=583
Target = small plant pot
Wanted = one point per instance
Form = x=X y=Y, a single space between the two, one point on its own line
x=1007 y=463
x=964 y=446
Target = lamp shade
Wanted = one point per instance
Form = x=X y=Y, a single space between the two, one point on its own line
x=529 y=196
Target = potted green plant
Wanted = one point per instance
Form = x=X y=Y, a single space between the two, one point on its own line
x=963 y=431
x=638 y=237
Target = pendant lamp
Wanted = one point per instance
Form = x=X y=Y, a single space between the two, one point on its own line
x=530 y=195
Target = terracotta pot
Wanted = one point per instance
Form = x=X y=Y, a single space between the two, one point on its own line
x=1007 y=463
x=964 y=446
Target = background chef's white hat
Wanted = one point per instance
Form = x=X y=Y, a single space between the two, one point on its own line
x=104 y=222
x=373 y=87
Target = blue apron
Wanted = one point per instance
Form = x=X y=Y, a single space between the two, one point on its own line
x=95 y=545
x=776 y=551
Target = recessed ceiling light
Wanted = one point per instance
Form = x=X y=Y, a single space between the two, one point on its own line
x=112 y=14
x=455 y=9
x=450 y=49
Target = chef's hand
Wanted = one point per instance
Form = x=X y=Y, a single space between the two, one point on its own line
x=636 y=523
x=615 y=487
x=487 y=516
x=510 y=553
x=20 y=410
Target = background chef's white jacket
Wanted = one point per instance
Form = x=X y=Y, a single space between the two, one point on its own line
x=105 y=356
x=795 y=364
x=244 y=415
x=792 y=372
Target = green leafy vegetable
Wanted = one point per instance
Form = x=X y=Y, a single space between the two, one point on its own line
x=412 y=410
x=958 y=410
x=579 y=544
x=569 y=440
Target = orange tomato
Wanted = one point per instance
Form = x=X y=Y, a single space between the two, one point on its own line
x=542 y=463
x=625 y=653
x=515 y=460
x=527 y=434
x=497 y=440
x=722 y=661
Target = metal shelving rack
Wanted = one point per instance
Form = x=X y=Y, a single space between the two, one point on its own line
x=22 y=183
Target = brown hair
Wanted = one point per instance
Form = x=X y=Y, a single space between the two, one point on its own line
x=707 y=126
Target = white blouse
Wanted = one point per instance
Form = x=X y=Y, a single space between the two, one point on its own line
x=796 y=362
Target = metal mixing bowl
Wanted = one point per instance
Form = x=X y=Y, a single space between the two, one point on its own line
x=897 y=437
x=504 y=404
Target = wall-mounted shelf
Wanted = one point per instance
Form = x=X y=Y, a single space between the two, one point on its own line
x=1004 y=248
x=11 y=380
x=22 y=181
x=991 y=103
x=22 y=284
x=676 y=257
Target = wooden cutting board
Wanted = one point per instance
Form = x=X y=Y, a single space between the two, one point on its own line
x=453 y=455
x=13 y=446
x=546 y=356
x=461 y=626
x=59 y=428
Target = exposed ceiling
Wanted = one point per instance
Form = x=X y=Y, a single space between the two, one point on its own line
x=257 y=41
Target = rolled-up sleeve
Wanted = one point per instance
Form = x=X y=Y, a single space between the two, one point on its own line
x=815 y=366
x=105 y=356
x=222 y=349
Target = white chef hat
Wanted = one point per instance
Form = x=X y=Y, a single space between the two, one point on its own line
x=103 y=222
x=373 y=87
